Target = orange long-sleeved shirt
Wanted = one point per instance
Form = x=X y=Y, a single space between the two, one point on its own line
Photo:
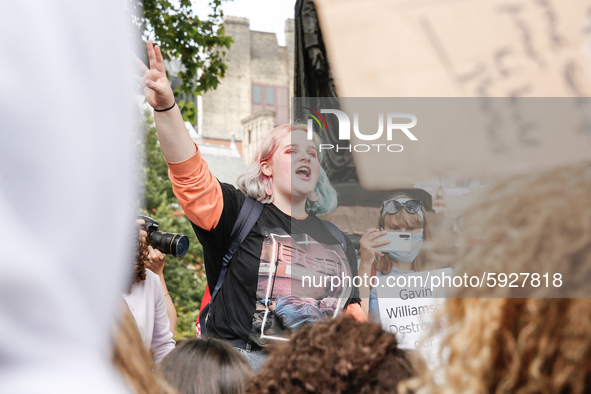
x=197 y=190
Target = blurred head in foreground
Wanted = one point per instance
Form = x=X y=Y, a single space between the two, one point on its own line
x=528 y=224
x=133 y=359
x=340 y=355
x=206 y=366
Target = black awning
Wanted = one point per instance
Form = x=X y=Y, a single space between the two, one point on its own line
x=351 y=194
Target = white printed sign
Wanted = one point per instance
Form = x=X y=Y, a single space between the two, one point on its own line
x=410 y=313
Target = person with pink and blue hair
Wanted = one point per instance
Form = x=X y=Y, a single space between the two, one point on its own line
x=265 y=294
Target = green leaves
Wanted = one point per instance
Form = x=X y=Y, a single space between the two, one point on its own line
x=199 y=44
x=188 y=111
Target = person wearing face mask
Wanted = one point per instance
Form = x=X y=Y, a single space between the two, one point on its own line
x=398 y=214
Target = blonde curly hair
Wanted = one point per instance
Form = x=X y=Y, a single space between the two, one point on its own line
x=526 y=224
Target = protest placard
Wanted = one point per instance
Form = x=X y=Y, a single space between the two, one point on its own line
x=411 y=313
x=458 y=48
x=515 y=50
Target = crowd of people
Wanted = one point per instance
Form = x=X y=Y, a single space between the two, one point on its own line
x=495 y=345
x=267 y=333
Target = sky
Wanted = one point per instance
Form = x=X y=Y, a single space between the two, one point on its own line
x=264 y=15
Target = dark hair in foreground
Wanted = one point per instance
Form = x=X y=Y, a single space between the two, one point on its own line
x=206 y=366
x=341 y=355
x=142 y=256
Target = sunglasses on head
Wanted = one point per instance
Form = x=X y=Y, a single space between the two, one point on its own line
x=393 y=206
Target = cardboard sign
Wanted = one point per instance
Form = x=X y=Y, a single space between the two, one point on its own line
x=467 y=48
x=459 y=48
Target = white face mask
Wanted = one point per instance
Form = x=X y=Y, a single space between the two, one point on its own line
x=409 y=257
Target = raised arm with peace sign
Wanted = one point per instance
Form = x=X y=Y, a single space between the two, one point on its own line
x=174 y=139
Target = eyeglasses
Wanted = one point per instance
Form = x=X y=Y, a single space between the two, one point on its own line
x=393 y=206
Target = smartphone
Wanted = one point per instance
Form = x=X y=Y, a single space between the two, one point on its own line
x=399 y=242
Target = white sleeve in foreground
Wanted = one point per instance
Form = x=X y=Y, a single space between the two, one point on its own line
x=67 y=192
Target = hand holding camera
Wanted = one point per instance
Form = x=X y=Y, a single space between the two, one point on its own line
x=176 y=245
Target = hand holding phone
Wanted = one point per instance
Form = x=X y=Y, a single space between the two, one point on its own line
x=399 y=242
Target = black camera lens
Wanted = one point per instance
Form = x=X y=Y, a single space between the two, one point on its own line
x=355 y=238
x=170 y=243
x=182 y=246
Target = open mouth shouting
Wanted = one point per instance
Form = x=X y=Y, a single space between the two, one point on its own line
x=304 y=173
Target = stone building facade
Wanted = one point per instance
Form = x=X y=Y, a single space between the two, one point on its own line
x=259 y=79
x=255 y=127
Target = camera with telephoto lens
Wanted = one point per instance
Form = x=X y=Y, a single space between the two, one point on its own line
x=176 y=245
x=355 y=238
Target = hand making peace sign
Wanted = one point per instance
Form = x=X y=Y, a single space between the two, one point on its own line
x=156 y=86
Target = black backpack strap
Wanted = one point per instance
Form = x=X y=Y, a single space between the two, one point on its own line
x=249 y=214
x=338 y=234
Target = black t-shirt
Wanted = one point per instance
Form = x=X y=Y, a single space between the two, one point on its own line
x=283 y=260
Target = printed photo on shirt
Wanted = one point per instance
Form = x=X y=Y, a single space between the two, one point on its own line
x=295 y=287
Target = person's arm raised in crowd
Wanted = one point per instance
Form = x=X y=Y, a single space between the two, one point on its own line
x=156 y=265
x=175 y=141
x=369 y=254
x=197 y=190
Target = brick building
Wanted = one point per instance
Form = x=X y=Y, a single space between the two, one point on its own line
x=255 y=94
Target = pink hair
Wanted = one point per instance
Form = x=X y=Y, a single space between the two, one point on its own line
x=253 y=181
x=271 y=142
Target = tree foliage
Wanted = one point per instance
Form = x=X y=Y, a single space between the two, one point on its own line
x=185 y=277
x=198 y=44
